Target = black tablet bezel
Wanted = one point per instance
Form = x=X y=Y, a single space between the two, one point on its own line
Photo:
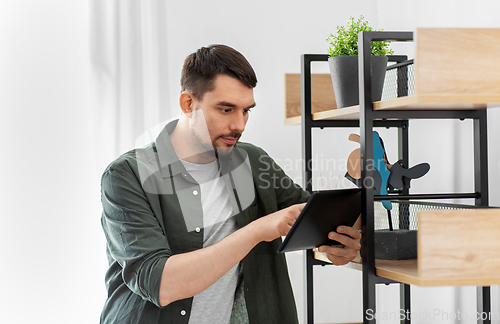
x=324 y=212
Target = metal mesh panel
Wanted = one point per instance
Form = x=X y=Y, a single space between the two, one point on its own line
x=390 y=90
x=404 y=215
x=411 y=80
x=406 y=87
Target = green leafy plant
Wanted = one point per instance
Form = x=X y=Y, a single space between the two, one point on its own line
x=345 y=41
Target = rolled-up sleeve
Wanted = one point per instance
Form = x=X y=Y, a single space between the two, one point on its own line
x=135 y=238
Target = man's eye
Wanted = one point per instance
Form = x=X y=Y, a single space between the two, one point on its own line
x=226 y=110
x=246 y=111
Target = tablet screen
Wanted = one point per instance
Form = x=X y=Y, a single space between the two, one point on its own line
x=324 y=212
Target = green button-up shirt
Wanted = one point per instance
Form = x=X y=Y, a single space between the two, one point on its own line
x=151 y=210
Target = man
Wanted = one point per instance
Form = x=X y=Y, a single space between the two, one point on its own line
x=193 y=220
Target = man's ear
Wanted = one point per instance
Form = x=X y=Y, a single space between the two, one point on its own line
x=186 y=102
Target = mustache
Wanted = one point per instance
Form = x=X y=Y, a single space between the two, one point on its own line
x=236 y=135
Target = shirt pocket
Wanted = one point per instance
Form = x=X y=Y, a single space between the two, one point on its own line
x=180 y=238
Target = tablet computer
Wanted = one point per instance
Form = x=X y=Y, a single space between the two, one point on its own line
x=324 y=212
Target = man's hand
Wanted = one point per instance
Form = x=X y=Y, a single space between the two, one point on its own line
x=350 y=238
x=272 y=226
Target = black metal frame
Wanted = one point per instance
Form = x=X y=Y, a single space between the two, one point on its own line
x=369 y=119
x=307 y=124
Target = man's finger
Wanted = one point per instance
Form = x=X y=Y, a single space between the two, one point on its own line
x=337 y=251
x=351 y=231
x=342 y=239
x=337 y=255
x=301 y=206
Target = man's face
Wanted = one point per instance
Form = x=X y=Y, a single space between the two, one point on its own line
x=222 y=112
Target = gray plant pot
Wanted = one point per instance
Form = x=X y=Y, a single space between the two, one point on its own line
x=344 y=72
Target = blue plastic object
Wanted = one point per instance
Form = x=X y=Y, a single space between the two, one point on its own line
x=379 y=161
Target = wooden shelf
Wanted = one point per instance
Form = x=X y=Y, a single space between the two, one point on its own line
x=347 y=113
x=405 y=103
x=455 y=69
x=322 y=96
x=406 y=271
x=455 y=248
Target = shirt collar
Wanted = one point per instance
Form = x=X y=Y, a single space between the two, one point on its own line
x=166 y=153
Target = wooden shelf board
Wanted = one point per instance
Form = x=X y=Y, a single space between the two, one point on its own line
x=448 y=76
x=406 y=271
x=451 y=102
x=346 y=113
x=293 y=120
x=322 y=96
x=444 y=66
x=404 y=103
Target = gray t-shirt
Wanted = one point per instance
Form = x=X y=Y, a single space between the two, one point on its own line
x=214 y=304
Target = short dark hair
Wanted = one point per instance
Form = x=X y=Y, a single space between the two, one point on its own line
x=202 y=67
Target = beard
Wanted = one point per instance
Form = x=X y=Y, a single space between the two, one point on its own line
x=207 y=144
x=225 y=149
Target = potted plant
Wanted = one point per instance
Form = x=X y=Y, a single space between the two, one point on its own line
x=343 y=61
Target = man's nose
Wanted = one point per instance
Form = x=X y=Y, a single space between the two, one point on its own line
x=238 y=123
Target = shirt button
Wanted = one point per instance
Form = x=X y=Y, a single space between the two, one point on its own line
x=195 y=192
x=183 y=312
x=197 y=230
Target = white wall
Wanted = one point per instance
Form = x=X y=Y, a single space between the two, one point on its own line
x=52 y=247
x=53 y=250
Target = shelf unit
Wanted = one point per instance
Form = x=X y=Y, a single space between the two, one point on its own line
x=396 y=113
